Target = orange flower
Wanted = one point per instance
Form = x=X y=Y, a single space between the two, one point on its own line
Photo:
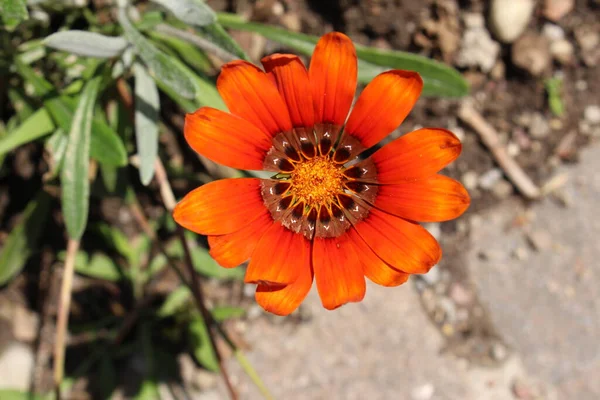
x=326 y=214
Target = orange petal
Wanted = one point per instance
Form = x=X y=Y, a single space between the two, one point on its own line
x=284 y=300
x=338 y=271
x=221 y=207
x=383 y=105
x=249 y=93
x=292 y=81
x=333 y=74
x=226 y=138
x=374 y=267
x=279 y=257
x=234 y=248
x=406 y=246
x=438 y=198
x=418 y=154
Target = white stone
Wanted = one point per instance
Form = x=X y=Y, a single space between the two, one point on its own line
x=16 y=365
x=553 y=32
x=478 y=49
x=592 y=114
x=509 y=18
x=562 y=51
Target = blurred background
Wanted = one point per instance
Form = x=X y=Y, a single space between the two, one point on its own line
x=511 y=312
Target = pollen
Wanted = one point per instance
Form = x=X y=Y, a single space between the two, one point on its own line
x=316 y=181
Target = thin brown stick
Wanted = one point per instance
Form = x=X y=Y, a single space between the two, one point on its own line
x=63 y=315
x=198 y=294
x=489 y=137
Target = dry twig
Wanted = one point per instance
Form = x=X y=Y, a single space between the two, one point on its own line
x=489 y=137
x=63 y=315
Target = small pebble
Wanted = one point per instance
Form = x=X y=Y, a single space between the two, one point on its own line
x=461 y=295
x=539 y=126
x=432 y=277
x=499 y=351
x=562 y=51
x=513 y=149
x=449 y=309
x=509 y=18
x=553 y=32
x=581 y=85
x=423 y=392
x=502 y=189
x=469 y=179
x=539 y=239
x=489 y=179
x=520 y=253
x=592 y=114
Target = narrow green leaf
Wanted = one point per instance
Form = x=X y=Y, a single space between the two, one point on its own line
x=161 y=65
x=74 y=177
x=10 y=394
x=106 y=146
x=87 y=44
x=221 y=38
x=56 y=145
x=23 y=238
x=174 y=301
x=147 y=105
x=114 y=238
x=226 y=312
x=36 y=126
x=192 y=12
x=187 y=52
x=201 y=345
x=99 y=266
x=554 y=90
x=13 y=12
x=438 y=78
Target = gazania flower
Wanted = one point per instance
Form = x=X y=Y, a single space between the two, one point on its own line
x=326 y=214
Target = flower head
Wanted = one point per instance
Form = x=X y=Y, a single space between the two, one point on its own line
x=326 y=214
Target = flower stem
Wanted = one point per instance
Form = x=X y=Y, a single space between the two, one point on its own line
x=63 y=315
x=169 y=200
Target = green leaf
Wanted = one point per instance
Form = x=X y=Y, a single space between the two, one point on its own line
x=36 y=126
x=174 y=301
x=201 y=346
x=148 y=391
x=221 y=38
x=22 y=241
x=207 y=266
x=438 y=78
x=74 y=177
x=87 y=44
x=147 y=106
x=100 y=266
x=115 y=238
x=187 y=52
x=226 y=312
x=554 y=90
x=192 y=12
x=10 y=394
x=206 y=91
x=106 y=146
x=161 y=65
x=13 y=12
x=56 y=145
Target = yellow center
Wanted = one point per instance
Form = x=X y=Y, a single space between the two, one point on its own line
x=316 y=181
